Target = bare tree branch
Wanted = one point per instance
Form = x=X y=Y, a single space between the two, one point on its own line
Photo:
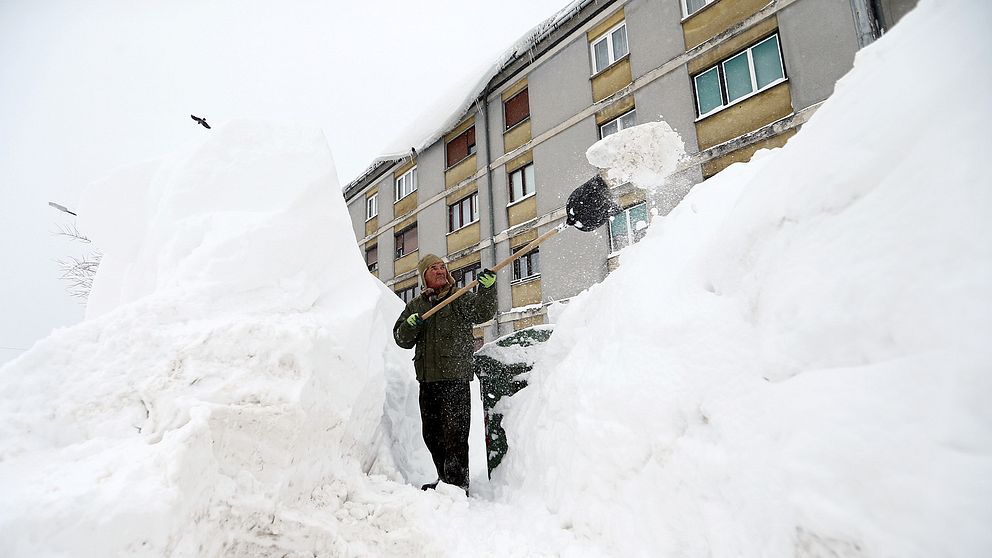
x=78 y=274
x=73 y=233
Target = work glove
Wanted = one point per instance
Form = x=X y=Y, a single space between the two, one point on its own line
x=487 y=278
x=415 y=320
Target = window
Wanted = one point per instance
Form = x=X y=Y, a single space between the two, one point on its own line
x=609 y=48
x=372 y=258
x=409 y=294
x=466 y=275
x=521 y=183
x=464 y=212
x=622 y=123
x=406 y=184
x=461 y=147
x=406 y=242
x=527 y=266
x=516 y=109
x=693 y=6
x=628 y=227
x=371 y=207
x=739 y=76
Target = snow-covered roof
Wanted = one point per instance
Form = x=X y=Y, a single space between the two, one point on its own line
x=427 y=129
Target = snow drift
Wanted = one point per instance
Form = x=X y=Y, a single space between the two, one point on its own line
x=234 y=362
x=795 y=361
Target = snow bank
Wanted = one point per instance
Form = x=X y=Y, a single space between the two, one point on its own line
x=233 y=370
x=795 y=361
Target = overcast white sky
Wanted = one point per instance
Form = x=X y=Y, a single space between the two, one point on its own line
x=86 y=87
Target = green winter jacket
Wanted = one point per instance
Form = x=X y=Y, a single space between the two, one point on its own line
x=444 y=343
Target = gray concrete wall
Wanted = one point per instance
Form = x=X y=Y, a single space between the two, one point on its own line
x=430 y=171
x=385 y=241
x=670 y=98
x=356 y=210
x=432 y=222
x=654 y=33
x=560 y=87
x=819 y=41
x=572 y=260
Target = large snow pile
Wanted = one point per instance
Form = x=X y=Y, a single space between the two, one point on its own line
x=796 y=361
x=235 y=363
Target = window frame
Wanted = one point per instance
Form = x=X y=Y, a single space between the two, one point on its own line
x=371 y=207
x=506 y=125
x=685 y=7
x=412 y=173
x=618 y=121
x=414 y=293
x=470 y=150
x=517 y=276
x=722 y=78
x=373 y=266
x=459 y=275
x=630 y=228
x=473 y=203
x=397 y=245
x=611 y=56
x=523 y=176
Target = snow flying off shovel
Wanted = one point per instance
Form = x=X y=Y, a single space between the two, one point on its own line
x=589 y=207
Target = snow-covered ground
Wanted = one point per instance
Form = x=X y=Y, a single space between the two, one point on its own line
x=794 y=362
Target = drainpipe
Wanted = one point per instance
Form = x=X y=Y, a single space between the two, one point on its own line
x=489 y=188
x=865 y=22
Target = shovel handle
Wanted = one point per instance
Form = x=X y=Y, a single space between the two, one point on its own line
x=522 y=252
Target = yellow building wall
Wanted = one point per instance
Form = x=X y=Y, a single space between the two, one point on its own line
x=371 y=226
x=460 y=172
x=517 y=136
x=521 y=212
x=744 y=155
x=406 y=284
x=717 y=18
x=405 y=205
x=528 y=322
x=404 y=224
x=461 y=193
x=524 y=294
x=746 y=116
x=623 y=106
x=611 y=80
x=468 y=260
x=461 y=127
x=523 y=239
x=464 y=237
x=604 y=26
x=730 y=47
x=406 y=263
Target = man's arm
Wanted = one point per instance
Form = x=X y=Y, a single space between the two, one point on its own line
x=404 y=333
x=482 y=306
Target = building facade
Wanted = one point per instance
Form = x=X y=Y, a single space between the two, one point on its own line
x=730 y=76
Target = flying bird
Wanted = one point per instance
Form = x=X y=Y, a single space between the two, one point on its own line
x=200 y=121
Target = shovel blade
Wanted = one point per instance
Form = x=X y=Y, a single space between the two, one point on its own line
x=590 y=205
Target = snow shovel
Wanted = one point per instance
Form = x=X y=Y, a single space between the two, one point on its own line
x=588 y=208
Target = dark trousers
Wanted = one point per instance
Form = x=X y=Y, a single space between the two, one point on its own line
x=446 y=411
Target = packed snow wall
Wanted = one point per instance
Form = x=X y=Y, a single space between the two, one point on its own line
x=235 y=362
x=795 y=361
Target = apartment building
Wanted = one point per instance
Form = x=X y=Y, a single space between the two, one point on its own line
x=731 y=76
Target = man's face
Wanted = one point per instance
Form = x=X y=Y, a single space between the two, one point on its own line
x=437 y=275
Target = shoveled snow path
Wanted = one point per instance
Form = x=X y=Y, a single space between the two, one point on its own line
x=385 y=518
